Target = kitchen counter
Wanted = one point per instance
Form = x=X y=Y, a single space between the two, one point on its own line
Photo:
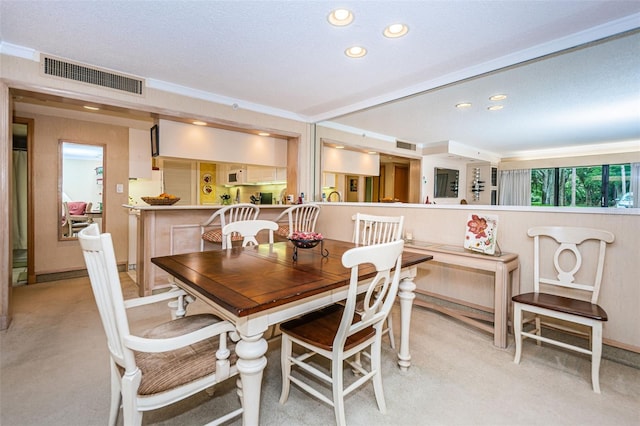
x=195 y=206
x=166 y=230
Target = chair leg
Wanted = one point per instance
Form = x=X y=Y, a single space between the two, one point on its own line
x=517 y=329
x=538 y=330
x=392 y=340
x=130 y=384
x=285 y=367
x=338 y=391
x=357 y=359
x=116 y=395
x=376 y=365
x=596 y=355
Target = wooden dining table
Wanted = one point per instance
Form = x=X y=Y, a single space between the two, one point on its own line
x=260 y=286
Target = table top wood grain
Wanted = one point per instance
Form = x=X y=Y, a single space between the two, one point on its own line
x=253 y=279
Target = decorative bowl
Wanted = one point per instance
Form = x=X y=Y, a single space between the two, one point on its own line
x=305 y=239
x=160 y=201
x=305 y=243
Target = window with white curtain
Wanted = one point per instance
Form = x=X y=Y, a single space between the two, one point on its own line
x=607 y=185
x=515 y=187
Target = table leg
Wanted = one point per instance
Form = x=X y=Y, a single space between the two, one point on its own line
x=406 y=296
x=501 y=305
x=251 y=363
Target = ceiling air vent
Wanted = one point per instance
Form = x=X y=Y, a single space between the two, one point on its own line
x=406 y=145
x=72 y=71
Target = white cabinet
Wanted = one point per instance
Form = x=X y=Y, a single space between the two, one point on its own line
x=328 y=180
x=222 y=171
x=281 y=174
x=252 y=174
x=262 y=174
x=139 y=154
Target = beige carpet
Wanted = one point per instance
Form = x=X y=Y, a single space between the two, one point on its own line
x=54 y=371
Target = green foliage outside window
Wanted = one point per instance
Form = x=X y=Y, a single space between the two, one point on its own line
x=581 y=186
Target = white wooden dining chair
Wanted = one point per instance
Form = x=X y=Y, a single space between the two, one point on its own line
x=164 y=364
x=372 y=229
x=299 y=218
x=338 y=333
x=211 y=229
x=566 y=286
x=248 y=230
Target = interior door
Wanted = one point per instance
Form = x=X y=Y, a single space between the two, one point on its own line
x=352 y=188
x=401 y=183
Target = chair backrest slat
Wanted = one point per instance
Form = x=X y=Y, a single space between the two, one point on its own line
x=301 y=217
x=562 y=242
x=229 y=214
x=100 y=259
x=371 y=229
x=248 y=229
x=381 y=290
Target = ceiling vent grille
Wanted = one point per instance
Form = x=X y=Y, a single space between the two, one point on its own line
x=77 y=72
x=405 y=145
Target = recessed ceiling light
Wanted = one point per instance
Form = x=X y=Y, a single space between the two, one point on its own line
x=373 y=152
x=339 y=147
x=91 y=108
x=199 y=123
x=498 y=97
x=395 y=30
x=340 y=17
x=355 y=52
x=495 y=107
x=264 y=134
x=463 y=105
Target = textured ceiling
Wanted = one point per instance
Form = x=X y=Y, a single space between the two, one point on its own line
x=283 y=58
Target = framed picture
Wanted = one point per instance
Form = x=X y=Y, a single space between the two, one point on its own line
x=481 y=233
x=155 y=141
x=353 y=185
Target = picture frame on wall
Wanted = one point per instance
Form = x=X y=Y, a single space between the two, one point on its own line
x=155 y=141
x=353 y=185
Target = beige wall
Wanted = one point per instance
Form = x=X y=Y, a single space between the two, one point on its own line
x=445 y=224
x=50 y=254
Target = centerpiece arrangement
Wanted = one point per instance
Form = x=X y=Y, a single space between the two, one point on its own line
x=306 y=240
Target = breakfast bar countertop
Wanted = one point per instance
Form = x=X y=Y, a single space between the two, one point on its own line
x=144 y=206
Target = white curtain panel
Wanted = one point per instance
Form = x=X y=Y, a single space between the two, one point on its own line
x=515 y=187
x=19 y=205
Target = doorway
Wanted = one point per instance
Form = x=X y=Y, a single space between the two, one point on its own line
x=22 y=205
x=353 y=185
x=401 y=183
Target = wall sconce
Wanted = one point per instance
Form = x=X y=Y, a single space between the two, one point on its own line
x=477 y=185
